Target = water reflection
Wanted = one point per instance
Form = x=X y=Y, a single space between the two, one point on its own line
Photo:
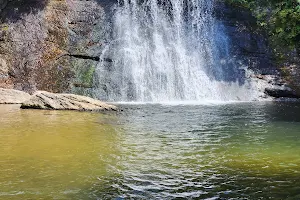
x=225 y=151
x=244 y=150
x=53 y=154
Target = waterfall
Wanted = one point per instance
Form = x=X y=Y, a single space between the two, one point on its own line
x=169 y=50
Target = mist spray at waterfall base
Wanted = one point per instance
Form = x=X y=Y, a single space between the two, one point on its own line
x=168 y=51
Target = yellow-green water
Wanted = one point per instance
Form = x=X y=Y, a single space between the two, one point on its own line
x=52 y=154
x=237 y=151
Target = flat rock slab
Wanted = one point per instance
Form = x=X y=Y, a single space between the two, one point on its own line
x=53 y=101
x=10 y=96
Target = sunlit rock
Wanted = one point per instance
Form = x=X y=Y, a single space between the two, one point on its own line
x=53 y=101
x=10 y=96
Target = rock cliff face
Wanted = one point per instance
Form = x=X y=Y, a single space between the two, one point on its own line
x=3 y=4
x=38 y=39
x=249 y=44
x=251 y=48
x=54 y=45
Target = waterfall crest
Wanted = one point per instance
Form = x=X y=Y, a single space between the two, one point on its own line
x=169 y=50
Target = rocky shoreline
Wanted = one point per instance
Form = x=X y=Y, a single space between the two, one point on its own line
x=60 y=101
x=53 y=101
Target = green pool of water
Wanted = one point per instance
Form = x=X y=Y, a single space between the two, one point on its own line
x=237 y=151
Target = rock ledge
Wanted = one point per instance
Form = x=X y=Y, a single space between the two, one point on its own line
x=53 y=101
x=10 y=96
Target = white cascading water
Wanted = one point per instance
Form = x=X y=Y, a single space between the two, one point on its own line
x=170 y=50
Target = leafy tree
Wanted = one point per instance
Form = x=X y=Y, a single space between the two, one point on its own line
x=281 y=18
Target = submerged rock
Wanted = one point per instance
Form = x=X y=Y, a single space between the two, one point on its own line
x=53 y=101
x=10 y=96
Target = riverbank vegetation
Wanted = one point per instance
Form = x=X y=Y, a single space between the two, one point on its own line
x=281 y=20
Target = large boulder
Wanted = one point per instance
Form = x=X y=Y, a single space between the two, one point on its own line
x=53 y=101
x=10 y=96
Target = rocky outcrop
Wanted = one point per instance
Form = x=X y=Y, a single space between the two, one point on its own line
x=291 y=75
x=9 y=96
x=281 y=93
x=36 y=34
x=52 y=101
x=250 y=47
x=254 y=48
x=249 y=44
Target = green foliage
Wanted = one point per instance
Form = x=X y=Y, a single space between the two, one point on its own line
x=87 y=75
x=280 y=18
